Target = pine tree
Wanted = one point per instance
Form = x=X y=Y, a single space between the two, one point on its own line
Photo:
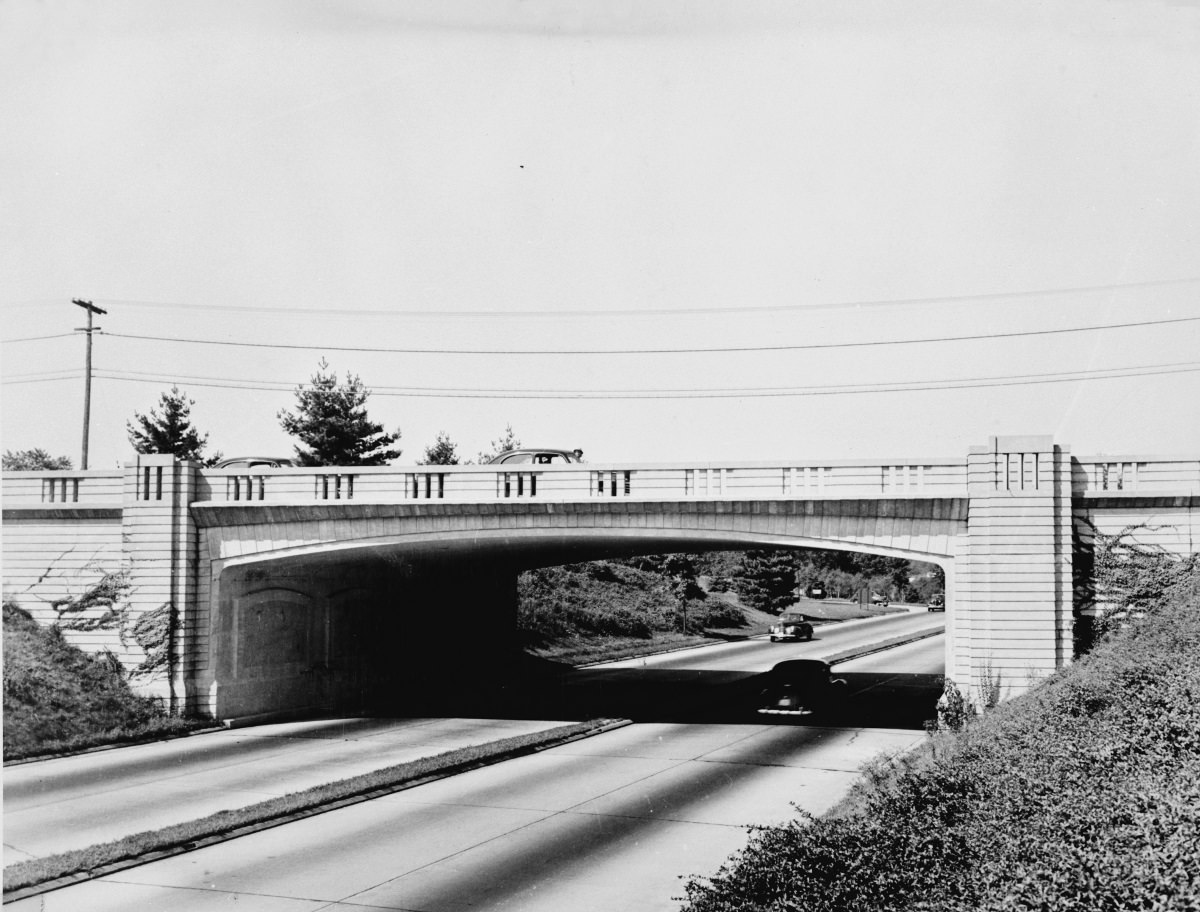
x=170 y=431
x=767 y=580
x=508 y=441
x=443 y=452
x=332 y=425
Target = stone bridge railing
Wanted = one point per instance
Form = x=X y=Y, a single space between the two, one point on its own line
x=470 y=484
x=923 y=478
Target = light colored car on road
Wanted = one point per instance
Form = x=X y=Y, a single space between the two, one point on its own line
x=536 y=456
x=255 y=462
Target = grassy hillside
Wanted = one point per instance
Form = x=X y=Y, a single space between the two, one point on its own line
x=1083 y=794
x=58 y=698
x=585 y=612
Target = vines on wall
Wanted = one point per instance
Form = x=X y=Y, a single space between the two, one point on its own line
x=1116 y=576
x=104 y=605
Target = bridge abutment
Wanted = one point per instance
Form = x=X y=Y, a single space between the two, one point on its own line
x=1012 y=598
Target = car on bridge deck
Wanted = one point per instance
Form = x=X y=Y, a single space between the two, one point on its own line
x=792 y=626
x=801 y=687
x=255 y=462
x=536 y=456
x=937 y=602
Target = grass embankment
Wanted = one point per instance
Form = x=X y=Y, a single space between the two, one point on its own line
x=135 y=849
x=1083 y=794
x=58 y=698
x=602 y=610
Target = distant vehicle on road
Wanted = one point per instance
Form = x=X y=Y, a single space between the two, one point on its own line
x=801 y=687
x=878 y=598
x=791 y=626
x=816 y=590
x=535 y=456
x=937 y=602
x=255 y=462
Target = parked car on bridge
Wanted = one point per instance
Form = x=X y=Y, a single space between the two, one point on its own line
x=791 y=626
x=536 y=456
x=816 y=590
x=937 y=602
x=255 y=462
x=801 y=687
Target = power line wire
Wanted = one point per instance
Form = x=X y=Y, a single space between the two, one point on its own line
x=647 y=311
x=716 y=393
x=117 y=373
x=723 y=349
x=38 y=338
x=659 y=311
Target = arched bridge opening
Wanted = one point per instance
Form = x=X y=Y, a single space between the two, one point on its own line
x=389 y=623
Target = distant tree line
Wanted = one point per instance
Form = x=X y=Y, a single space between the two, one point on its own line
x=329 y=421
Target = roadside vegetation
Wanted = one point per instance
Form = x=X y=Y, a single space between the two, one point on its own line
x=608 y=609
x=605 y=609
x=58 y=698
x=1083 y=794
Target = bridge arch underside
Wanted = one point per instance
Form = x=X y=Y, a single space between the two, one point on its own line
x=359 y=610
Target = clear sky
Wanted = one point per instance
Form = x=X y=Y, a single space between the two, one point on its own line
x=655 y=230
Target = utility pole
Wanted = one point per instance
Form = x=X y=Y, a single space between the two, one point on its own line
x=87 y=373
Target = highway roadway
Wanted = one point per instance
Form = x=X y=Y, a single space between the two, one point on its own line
x=608 y=822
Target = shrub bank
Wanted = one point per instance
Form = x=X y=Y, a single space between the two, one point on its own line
x=1083 y=794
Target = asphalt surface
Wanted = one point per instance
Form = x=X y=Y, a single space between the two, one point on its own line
x=724 y=770
x=610 y=822
x=53 y=806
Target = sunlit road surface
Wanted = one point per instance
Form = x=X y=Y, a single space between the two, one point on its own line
x=759 y=655
x=73 y=802
x=925 y=656
x=610 y=822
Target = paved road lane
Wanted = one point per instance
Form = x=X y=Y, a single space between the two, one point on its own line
x=611 y=822
x=758 y=655
x=692 y=791
x=73 y=802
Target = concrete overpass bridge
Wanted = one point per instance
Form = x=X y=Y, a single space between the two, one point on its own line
x=237 y=594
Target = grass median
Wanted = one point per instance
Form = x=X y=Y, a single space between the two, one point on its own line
x=38 y=875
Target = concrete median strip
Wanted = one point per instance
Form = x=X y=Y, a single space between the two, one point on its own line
x=41 y=875
x=902 y=640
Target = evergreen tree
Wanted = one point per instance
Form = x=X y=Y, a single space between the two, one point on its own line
x=508 y=441
x=443 y=452
x=767 y=580
x=169 y=430
x=332 y=425
x=33 y=460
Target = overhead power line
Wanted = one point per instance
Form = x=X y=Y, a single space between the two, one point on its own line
x=41 y=338
x=1145 y=370
x=702 y=350
x=441 y=313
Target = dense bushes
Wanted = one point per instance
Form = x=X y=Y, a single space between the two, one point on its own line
x=1084 y=794
x=605 y=598
x=57 y=697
